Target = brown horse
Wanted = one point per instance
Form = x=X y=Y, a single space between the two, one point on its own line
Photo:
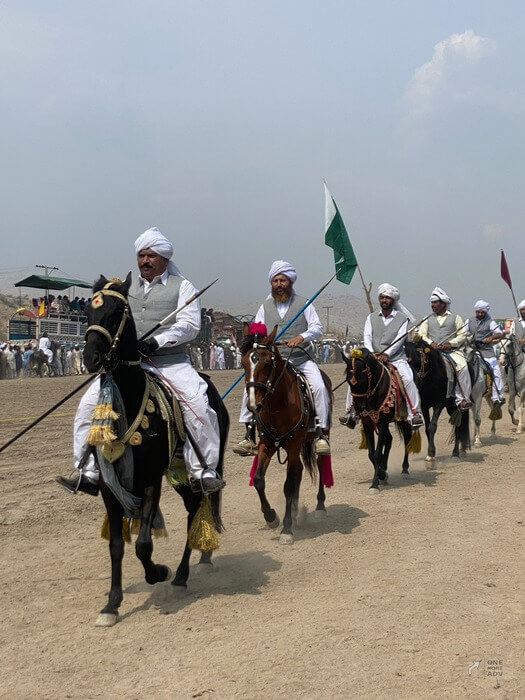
x=279 y=398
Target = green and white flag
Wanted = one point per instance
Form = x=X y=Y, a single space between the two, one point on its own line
x=337 y=238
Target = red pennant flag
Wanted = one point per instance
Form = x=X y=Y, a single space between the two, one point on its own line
x=505 y=274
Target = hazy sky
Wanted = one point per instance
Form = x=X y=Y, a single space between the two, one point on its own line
x=217 y=122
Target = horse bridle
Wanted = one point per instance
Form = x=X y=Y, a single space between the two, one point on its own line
x=353 y=381
x=113 y=340
x=267 y=386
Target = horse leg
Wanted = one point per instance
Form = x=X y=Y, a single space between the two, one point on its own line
x=144 y=544
x=476 y=405
x=292 y=484
x=385 y=452
x=512 y=397
x=321 y=497
x=370 y=441
x=431 y=432
x=407 y=434
x=264 y=456
x=108 y=616
x=191 y=503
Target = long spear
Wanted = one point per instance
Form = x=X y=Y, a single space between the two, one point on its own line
x=308 y=302
x=164 y=321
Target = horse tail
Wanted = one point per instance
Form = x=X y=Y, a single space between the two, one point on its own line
x=309 y=458
x=223 y=420
x=460 y=422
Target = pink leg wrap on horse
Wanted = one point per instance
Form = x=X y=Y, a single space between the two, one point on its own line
x=327 y=476
x=255 y=464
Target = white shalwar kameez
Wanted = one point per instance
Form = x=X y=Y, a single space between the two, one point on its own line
x=308 y=368
x=199 y=418
x=44 y=344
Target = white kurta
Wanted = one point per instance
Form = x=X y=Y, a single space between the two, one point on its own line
x=44 y=344
x=308 y=368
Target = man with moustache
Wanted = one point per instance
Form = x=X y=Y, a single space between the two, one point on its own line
x=159 y=290
x=281 y=305
x=517 y=327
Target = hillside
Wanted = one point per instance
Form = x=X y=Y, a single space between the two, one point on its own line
x=8 y=304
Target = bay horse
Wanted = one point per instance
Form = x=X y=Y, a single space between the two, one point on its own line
x=278 y=398
x=377 y=403
x=431 y=374
x=515 y=362
x=111 y=347
x=37 y=362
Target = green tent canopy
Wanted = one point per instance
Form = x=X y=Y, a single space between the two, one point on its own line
x=47 y=282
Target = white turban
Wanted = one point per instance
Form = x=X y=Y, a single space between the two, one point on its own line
x=158 y=243
x=481 y=306
x=281 y=267
x=521 y=305
x=390 y=291
x=439 y=294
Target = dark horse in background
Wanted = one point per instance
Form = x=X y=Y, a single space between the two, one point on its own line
x=429 y=366
x=111 y=345
x=38 y=363
x=377 y=402
x=284 y=420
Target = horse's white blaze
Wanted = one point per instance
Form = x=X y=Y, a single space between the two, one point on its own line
x=251 y=390
x=106 y=620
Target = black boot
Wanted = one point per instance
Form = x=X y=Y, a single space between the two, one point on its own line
x=78 y=482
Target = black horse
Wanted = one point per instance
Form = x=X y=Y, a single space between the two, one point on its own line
x=378 y=402
x=429 y=366
x=111 y=345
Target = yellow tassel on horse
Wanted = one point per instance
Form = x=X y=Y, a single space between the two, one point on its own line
x=414 y=444
x=203 y=535
x=363 y=445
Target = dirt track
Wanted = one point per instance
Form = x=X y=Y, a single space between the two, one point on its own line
x=390 y=596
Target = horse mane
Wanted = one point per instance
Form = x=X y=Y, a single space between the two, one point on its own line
x=115 y=283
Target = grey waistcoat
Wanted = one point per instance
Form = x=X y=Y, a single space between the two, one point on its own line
x=383 y=335
x=438 y=333
x=149 y=309
x=298 y=327
x=519 y=331
x=480 y=330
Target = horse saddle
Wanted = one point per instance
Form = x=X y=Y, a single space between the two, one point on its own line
x=479 y=364
x=450 y=368
x=306 y=396
x=162 y=394
x=398 y=392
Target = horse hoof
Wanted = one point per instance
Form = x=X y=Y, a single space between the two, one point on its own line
x=478 y=443
x=179 y=591
x=274 y=523
x=428 y=458
x=519 y=431
x=285 y=538
x=373 y=491
x=169 y=573
x=405 y=475
x=106 y=620
x=319 y=514
x=205 y=567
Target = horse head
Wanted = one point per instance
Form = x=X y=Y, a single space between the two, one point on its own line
x=358 y=367
x=259 y=361
x=109 y=322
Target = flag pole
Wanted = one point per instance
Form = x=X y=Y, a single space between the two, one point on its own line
x=87 y=381
x=308 y=302
x=367 y=290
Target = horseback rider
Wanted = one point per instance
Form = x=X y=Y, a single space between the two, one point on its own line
x=280 y=306
x=485 y=332
x=446 y=332
x=44 y=344
x=159 y=289
x=384 y=335
x=517 y=327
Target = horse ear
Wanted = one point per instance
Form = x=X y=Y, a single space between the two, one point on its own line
x=127 y=284
x=345 y=358
x=99 y=284
x=270 y=338
x=245 y=328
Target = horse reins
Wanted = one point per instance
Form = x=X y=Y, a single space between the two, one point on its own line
x=97 y=302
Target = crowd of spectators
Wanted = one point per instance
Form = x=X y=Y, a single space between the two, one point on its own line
x=16 y=360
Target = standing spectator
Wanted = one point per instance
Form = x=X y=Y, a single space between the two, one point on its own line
x=19 y=360
x=76 y=364
x=219 y=357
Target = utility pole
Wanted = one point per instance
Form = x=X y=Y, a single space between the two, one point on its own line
x=328 y=317
x=48 y=269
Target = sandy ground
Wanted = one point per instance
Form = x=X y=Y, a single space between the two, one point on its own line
x=390 y=596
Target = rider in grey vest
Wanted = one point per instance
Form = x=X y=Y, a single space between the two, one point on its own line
x=518 y=325
x=158 y=291
x=485 y=332
x=446 y=332
x=277 y=310
x=384 y=335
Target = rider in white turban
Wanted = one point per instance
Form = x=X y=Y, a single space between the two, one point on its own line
x=439 y=294
x=390 y=291
x=521 y=305
x=482 y=306
x=281 y=267
x=158 y=243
